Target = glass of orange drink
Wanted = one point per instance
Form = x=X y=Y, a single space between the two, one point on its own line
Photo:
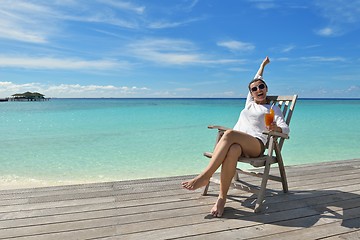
x=269 y=118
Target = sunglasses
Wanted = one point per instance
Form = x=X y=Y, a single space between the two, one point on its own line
x=260 y=86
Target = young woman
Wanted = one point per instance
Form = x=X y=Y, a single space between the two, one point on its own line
x=246 y=139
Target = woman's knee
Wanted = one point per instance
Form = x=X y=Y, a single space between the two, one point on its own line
x=229 y=134
x=235 y=151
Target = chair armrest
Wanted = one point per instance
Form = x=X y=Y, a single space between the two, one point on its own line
x=276 y=134
x=270 y=133
x=220 y=128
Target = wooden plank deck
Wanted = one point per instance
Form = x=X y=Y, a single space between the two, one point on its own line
x=323 y=203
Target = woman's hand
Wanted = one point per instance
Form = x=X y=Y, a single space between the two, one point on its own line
x=262 y=66
x=274 y=127
x=265 y=61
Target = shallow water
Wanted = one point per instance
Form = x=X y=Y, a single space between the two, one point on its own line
x=89 y=140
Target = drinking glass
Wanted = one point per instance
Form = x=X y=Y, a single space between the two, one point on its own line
x=269 y=118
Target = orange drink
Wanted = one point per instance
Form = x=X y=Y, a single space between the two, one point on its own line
x=269 y=118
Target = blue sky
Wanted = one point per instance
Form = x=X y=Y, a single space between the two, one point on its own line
x=179 y=48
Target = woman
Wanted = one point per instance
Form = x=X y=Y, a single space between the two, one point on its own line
x=246 y=139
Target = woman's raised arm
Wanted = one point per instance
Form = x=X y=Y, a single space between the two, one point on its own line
x=262 y=66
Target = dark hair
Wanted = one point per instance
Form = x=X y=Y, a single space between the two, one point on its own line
x=255 y=80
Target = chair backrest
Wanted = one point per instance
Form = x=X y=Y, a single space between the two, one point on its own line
x=287 y=105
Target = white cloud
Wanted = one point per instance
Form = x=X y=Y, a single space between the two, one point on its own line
x=281 y=59
x=237 y=45
x=161 y=24
x=11 y=32
x=8 y=88
x=164 y=24
x=183 y=89
x=125 y=6
x=354 y=89
x=104 y=18
x=312 y=46
x=58 y=63
x=323 y=59
x=339 y=11
x=191 y=5
x=288 y=48
x=229 y=94
x=342 y=16
x=165 y=51
x=24 y=21
x=38 y=21
x=263 y=4
x=327 y=31
x=172 y=52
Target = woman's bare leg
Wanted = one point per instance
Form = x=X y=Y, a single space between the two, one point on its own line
x=217 y=159
x=249 y=145
x=227 y=173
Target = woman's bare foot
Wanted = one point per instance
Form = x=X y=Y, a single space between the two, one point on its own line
x=218 y=208
x=198 y=182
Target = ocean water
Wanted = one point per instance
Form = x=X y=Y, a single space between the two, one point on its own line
x=68 y=141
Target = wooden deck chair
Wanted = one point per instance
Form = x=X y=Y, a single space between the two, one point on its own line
x=273 y=155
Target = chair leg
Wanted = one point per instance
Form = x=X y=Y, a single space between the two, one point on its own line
x=281 y=169
x=236 y=176
x=261 y=194
x=283 y=178
x=204 y=193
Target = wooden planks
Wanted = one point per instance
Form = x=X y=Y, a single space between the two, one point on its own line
x=323 y=203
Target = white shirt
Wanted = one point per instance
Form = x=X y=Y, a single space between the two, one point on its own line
x=252 y=122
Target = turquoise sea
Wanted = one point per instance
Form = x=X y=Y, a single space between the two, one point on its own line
x=66 y=141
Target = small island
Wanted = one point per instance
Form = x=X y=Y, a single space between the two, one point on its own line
x=28 y=96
